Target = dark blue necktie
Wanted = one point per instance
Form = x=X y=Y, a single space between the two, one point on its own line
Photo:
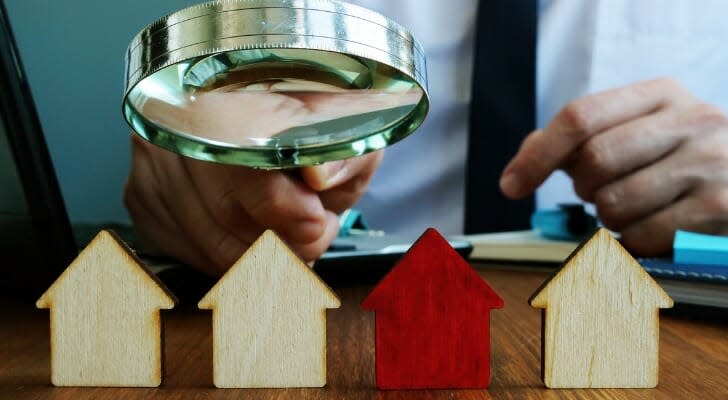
x=502 y=111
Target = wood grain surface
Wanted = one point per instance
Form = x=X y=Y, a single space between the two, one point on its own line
x=105 y=322
x=269 y=320
x=601 y=320
x=693 y=355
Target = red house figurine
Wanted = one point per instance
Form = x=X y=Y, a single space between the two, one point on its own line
x=432 y=320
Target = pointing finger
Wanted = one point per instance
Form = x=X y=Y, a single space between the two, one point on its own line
x=545 y=151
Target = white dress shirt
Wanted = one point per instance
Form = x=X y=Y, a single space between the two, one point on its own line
x=584 y=46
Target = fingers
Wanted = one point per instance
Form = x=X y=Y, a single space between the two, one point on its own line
x=153 y=219
x=208 y=214
x=283 y=203
x=703 y=211
x=638 y=143
x=700 y=161
x=545 y=151
x=621 y=150
x=221 y=246
x=142 y=188
x=334 y=173
x=165 y=238
x=313 y=250
x=342 y=183
x=642 y=193
x=247 y=201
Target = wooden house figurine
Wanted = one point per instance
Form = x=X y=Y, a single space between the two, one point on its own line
x=269 y=320
x=105 y=322
x=600 y=319
x=432 y=327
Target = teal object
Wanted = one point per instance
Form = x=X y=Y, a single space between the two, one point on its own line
x=568 y=222
x=699 y=248
x=351 y=221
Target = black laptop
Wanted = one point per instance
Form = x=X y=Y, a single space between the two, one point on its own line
x=36 y=241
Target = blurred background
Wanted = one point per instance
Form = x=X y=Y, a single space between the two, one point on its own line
x=73 y=53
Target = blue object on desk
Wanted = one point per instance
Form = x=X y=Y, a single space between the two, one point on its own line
x=568 y=222
x=665 y=268
x=351 y=221
x=698 y=248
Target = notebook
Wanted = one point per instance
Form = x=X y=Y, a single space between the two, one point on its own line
x=686 y=283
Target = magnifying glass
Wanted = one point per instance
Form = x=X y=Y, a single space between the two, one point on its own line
x=274 y=83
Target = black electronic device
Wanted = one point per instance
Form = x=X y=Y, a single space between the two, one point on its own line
x=36 y=241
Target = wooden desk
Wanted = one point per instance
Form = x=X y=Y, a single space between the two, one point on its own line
x=693 y=356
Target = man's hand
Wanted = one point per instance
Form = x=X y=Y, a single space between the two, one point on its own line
x=652 y=158
x=207 y=214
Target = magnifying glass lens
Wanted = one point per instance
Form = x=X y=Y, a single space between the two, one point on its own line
x=274 y=83
x=285 y=98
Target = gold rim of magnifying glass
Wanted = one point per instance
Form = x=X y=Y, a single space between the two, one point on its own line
x=219 y=27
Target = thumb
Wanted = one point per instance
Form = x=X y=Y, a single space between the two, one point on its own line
x=325 y=176
x=334 y=173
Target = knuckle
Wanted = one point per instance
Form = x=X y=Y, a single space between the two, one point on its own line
x=584 y=189
x=671 y=91
x=595 y=157
x=271 y=200
x=311 y=251
x=225 y=206
x=710 y=153
x=669 y=82
x=708 y=110
x=669 y=86
x=716 y=202
x=578 y=115
x=708 y=116
x=717 y=154
x=608 y=202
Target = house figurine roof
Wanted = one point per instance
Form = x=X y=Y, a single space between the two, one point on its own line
x=598 y=259
x=92 y=263
x=265 y=258
x=431 y=260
